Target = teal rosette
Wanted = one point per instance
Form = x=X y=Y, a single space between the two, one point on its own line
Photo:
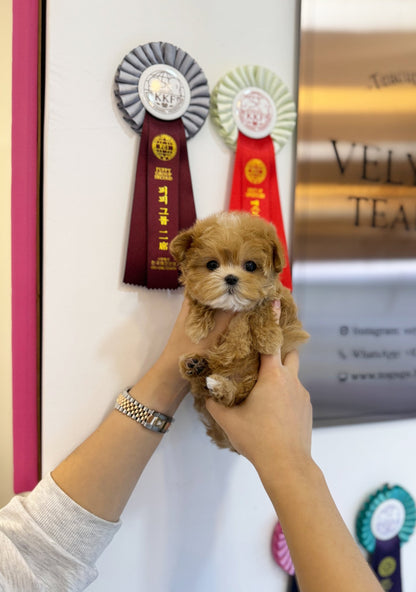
x=364 y=528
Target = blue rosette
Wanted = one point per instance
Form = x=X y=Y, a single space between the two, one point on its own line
x=365 y=517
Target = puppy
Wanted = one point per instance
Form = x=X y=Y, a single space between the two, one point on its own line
x=232 y=261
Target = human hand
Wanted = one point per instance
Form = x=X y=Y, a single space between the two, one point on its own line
x=273 y=426
x=179 y=343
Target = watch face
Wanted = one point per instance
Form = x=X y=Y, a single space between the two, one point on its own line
x=254 y=112
x=164 y=92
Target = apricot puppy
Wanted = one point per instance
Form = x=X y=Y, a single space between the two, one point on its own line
x=231 y=261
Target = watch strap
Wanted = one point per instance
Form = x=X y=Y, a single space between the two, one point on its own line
x=148 y=418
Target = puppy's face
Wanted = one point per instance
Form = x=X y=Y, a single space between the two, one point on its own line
x=229 y=261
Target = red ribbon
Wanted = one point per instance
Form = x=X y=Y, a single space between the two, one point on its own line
x=255 y=188
x=158 y=214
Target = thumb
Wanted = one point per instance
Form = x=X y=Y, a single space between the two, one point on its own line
x=277 y=356
x=212 y=406
x=216 y=410
x=271 y=361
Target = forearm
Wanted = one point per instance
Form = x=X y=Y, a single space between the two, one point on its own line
x=102 y=472
x=323 y=551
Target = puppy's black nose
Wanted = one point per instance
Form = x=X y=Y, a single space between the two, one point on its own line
x=231 y=280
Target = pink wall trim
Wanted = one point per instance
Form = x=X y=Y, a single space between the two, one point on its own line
x=24 y=259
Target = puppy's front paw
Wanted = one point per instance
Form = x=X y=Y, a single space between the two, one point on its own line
x=193 y=365
x=213 y=385
x=222 y=389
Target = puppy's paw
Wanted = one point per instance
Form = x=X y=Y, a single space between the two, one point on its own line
x=213 y=385
x=193 y=365
x=222 y=389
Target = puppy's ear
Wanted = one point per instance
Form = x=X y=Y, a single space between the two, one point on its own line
x=180 y=245
x=278 y=256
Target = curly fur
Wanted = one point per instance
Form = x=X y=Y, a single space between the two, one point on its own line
x=232 y=261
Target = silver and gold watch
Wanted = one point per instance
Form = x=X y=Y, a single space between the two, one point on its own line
x=148 y=418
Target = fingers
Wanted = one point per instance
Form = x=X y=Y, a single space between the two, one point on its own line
x=272 y=362
x=269 y=362
x=184 y=311
x=216 y=410
x=210 y=405
x=277 y=309
x=291 y=361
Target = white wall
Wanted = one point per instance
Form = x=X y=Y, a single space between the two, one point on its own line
x=199 y=519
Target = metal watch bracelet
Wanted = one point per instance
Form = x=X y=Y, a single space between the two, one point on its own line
x=148 y=418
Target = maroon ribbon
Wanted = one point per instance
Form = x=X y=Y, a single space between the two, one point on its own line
x=163 y=204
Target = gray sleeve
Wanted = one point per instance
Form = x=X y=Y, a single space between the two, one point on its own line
x=48 y=542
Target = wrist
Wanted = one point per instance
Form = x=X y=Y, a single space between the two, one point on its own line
x=285 y=479
x=161 y=388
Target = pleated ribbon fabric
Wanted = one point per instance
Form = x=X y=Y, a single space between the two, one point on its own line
x=163 y=94
x=162 y=204
x=255 y=115
x=255 y=188
x=385 y=522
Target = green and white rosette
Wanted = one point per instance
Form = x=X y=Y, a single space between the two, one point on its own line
x=386 y=521
x=254 y=100
x=255 y=115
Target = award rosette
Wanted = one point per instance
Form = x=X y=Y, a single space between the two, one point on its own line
x=163 y=95
x=255 y=115
x=281 y=555
x=385 y=522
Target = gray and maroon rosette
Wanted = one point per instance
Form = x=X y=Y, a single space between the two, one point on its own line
x=163 y=95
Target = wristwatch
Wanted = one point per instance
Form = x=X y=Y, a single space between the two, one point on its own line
x=148 y=418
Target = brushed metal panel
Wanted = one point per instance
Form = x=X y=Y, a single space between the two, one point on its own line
x=356 y=172
x=354 y=236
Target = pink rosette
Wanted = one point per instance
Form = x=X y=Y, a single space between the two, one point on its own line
x=280 y=550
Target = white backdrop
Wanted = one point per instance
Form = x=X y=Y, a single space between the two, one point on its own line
x=199 y=519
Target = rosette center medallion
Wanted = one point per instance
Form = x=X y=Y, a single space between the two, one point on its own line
x=254 y=112
x=164 y=92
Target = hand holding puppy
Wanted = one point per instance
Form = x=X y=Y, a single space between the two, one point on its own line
x=273 y=429
x=231 y=262
x=273 y=426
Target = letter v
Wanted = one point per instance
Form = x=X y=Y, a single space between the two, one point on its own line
x=342 y=166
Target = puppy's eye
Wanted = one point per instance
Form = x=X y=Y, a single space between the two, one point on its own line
x=212 y=265
x=250 y=266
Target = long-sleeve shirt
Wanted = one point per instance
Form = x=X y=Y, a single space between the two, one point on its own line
x=48 y=542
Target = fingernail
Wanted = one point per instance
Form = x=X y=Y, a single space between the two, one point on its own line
x=277 y=309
